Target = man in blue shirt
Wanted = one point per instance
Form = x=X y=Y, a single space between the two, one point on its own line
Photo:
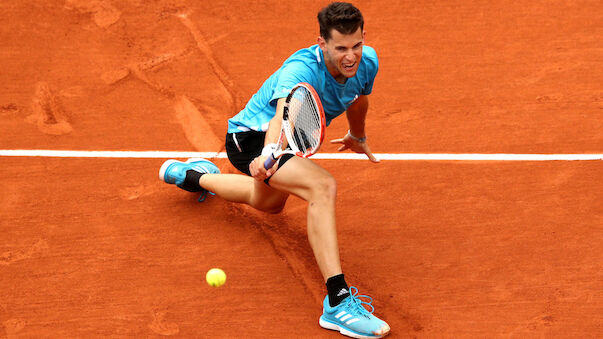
x=307 y=65
x=342 y=70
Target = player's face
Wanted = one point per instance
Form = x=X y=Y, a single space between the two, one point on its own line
x=342 y=53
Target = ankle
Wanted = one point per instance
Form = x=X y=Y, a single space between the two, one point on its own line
x=338 y=289
x=191 y=182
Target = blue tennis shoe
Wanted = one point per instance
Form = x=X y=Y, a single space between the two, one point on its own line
x=174 y=171
x=351 y=318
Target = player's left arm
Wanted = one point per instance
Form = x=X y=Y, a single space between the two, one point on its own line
x=355 y=139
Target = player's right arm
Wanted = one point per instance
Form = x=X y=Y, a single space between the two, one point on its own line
x=256 y=167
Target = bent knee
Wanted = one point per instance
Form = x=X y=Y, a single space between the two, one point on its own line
x=268 y=206
x=325 y=187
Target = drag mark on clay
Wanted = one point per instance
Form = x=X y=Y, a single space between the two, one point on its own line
x=153 y=84
x=548 y=69
x=48 y=112
x=531 y=325
x=103 y=12
x=160 y=326
x=12 y=327
x=204 y=47
x=115 y=76
x=196 y=128
x=288 y=244
x=135 y=192
x=10 y=257
x=8 y=109
x=73 y=92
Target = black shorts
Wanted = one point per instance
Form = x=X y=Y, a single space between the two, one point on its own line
x=243 y=147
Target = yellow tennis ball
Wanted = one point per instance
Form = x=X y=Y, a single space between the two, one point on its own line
x=215 y=277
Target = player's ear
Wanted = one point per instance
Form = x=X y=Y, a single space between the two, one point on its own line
x=321 y=42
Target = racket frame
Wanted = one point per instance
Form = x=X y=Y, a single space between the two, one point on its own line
x=285 y=134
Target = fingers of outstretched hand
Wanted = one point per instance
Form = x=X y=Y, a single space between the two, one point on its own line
x=372 y=158
x=343 y=148
x=369 y=154
x=345 y=143
x=358 y=147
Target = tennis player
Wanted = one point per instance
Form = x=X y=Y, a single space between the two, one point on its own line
x=342 y=70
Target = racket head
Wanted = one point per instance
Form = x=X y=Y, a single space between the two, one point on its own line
x=304 y=120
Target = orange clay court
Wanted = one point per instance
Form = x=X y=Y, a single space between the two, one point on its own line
x=99 y=247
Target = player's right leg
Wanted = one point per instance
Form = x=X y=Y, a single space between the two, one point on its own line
x=244 y=189
x=200 y=175
x=179 y=173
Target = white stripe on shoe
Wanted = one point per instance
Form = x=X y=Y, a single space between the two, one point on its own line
x=351 y=321
x=340 y=314
x=344 y=318
x=200 y=169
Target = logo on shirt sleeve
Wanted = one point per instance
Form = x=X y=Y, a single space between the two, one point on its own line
x=351 y=102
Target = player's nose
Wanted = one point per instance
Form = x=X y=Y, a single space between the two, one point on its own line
x=349 y=57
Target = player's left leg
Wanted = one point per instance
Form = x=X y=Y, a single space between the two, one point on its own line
x=343 y=308
x=342 y=311
x=312 y=183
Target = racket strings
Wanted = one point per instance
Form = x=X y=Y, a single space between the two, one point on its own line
x=305 y=126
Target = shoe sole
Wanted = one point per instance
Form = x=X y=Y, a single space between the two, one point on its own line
x=167 y=164
x=331 y=326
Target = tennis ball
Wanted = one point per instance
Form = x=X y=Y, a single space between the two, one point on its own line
x=215 y=277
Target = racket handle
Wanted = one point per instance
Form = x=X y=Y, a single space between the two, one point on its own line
x=270 y=161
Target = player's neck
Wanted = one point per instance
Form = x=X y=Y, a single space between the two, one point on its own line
x=340 y=78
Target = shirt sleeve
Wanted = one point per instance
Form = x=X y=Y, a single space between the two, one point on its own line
x=372 y=67
x=290 y=75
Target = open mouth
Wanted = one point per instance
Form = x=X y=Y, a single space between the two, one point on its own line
x=349 y=67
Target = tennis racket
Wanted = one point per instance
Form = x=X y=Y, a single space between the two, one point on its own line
x=303 y=126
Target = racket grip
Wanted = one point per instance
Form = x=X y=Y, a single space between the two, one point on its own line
x=270 y=161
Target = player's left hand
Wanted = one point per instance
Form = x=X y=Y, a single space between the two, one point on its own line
x=355 y=146
x=257 y=170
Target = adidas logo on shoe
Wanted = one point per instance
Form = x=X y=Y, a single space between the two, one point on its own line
x=342 y=292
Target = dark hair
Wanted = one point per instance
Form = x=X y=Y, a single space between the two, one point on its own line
x=342 y=16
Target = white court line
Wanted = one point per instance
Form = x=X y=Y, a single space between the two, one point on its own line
x=326 y=156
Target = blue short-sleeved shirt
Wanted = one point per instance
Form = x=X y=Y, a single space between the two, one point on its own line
x=306 y=65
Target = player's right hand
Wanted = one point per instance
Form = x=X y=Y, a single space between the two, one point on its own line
x=257 y=170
